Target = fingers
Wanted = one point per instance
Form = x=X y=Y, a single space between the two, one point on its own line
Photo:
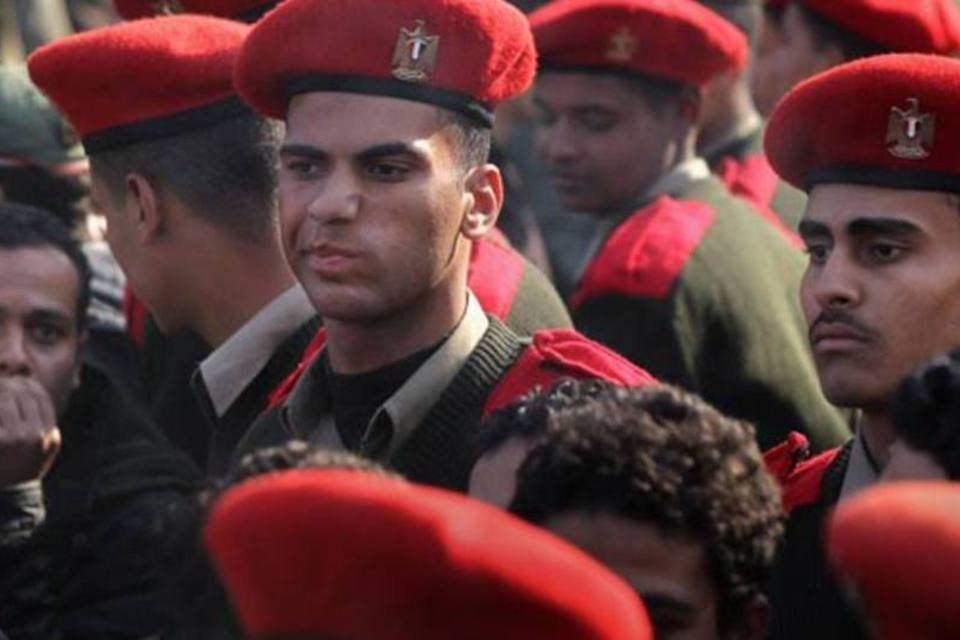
x=29 y=437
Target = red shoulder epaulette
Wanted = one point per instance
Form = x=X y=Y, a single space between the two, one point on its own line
x=136 y=314
x=754 y=180
x=562 y=353
x=799 y=474
x=645 y=255
x=496 y=270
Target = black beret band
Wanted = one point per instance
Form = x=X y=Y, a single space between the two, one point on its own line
x=455 y=101
x=165 y=126
x=882 y=177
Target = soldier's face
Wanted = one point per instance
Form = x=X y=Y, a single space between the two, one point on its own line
x=669 y=573
x=602 y=141
x=371 y=204
x=787 y=55
x=882 y=291
x=39 y=334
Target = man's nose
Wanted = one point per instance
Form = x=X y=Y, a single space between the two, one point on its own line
x=14 y=360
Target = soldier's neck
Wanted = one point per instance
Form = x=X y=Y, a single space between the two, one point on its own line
x=362 y=346
x=878 y=434
x=733 y=116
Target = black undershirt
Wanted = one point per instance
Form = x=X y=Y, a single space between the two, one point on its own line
x=355 y=398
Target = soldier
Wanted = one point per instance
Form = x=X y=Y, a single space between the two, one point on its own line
x=665 y=491
x=815 y=35
x=731 y=131
x=872 y=144
x=385 y=192
x=682 y=280
x=347 y=554
x=75 y=455
x=902 y=570
x=184 y=173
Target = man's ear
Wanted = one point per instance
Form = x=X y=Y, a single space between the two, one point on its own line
x=691 y=106
x=142 y=204
x=484 y=187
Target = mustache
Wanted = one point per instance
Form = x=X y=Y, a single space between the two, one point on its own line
x=839 y=316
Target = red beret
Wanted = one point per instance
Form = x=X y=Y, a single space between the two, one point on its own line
x=899 y=544
x=887 y=121
x=243 y=10
x=344 y=554
x=465 y=55
x=679 y=40
x=142 y=80
x=915 y=26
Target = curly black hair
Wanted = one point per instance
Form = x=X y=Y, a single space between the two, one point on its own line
x=662 y=456
x=532 y=414
x=926 y=410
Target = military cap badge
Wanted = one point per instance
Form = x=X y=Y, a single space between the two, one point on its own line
x=415 y=55
x=910 y=134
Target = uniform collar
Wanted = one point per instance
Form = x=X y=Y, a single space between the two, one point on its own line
x=230 y=369
x=393 y=422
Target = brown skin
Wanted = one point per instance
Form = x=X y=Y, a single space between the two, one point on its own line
x=669 y=572
x=603 y=142
x=494 y=477
x=40 y=341
x=190 y=274
x=881 y=293
x=377 y=219
x=786 y=56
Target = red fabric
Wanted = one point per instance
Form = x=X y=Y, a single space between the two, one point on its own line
x=754 y=180
x=916 y=26
x=841 y=119
x=682 y=41
x=344 y=554
x=899 y=544
x=496 y=271
x=646 y=254
x=485 y=49
x=136 y=314
x=132 y=9
x=138 y=70
x=562 y=353
x=799 y=474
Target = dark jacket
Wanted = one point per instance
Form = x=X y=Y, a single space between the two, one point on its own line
x=92 y=561
x=805 y=597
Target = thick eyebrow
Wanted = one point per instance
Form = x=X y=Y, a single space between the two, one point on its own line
x=51 y=315
x=663 y=601
x=390 y=149
x=302 y=151
x=882 y=227
x=812 y=229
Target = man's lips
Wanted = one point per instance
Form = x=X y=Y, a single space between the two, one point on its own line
x=329 y=257
x=836 y=335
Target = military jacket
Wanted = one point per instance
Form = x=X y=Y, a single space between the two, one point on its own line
x=691 y=288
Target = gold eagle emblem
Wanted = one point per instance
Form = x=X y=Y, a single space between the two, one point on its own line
x=910 y=134
x=622 y=46
x=415 y=56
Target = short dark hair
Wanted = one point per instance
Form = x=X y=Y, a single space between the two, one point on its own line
x=63 y=196
x=662 y=456
x=226 y=173
x=471 y=141
x=926 y=410
x=825 y=33
x=532 y=414
x=25 y=227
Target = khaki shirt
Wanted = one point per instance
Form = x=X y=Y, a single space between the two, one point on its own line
x=400 y=415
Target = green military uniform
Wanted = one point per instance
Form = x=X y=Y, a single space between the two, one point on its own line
x=693 y=290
